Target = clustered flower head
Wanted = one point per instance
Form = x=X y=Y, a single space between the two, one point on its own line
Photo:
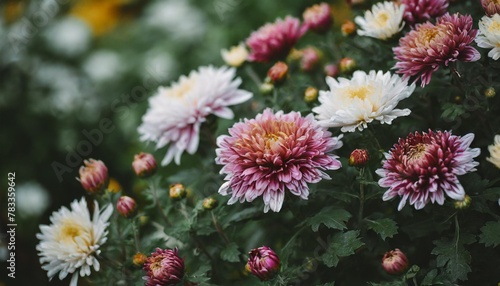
x=418 y=11
x=263 y=263
x=318 y=18
x=93 y=176
x=70 y=245
x=489 y=35
x=273 y=153
x=395 y=262
x=163 y=268
x=423 y=50
x=353 y=103
x=491 y=7
x=176 y=112
x=383 y=21
x=274 y=41
x=423 y=168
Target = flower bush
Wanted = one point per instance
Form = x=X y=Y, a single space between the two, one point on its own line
x=370 y=129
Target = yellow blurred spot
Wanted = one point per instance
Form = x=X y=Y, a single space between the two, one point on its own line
x=114 y=186
x=101 y=16
x=12 y=11
x=341 y=12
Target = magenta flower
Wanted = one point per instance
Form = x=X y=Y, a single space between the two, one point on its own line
x=144 y=165
x=273 y=153
x=424 y=167
x=395 y=262
x=164 y=267
x=491 y=7
x=274 y=41
x=418 y=11
x=263 y=263
x=93 y=176
x=423 y=50
x=126 y=206
x=318 y=18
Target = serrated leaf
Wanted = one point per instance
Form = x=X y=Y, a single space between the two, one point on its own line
x=429 y=278
x=391 y=283
x=200 y=275
x=490 y=234
x=331 y=217
x=230 y=253
x=453 y=256
x=342 y=244
x=385 y=227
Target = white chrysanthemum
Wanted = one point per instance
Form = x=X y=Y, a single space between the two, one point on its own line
x=176 y=112
x=70 y=244
x=354 y=103
x=383 y=21
x=495 y=152
x=489 y=35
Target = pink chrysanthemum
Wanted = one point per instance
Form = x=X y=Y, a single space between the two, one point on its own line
x=274 y=41
x=423 y=50
x=272 y=153
x=491 y=7
x=424 y=167
x=263 y=262
x=418 y=11
x=164 y=267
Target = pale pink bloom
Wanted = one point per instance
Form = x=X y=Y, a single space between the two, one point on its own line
x=423 y=168
x=426 y=48
x=274 y=41
x=418 y=11
x=176 y=112
x=318 y=17
x=273 y=153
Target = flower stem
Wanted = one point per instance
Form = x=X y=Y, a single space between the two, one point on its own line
x=219 y=229
x=361 y=196
x=157 y=203
x=136 y=236
x=253 y=75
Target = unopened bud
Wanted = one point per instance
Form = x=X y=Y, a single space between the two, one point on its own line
x=310 y=58
x=278 y=72
x=395 y=262
x=348 y=28
x=490 y=92
x=318 y=18
x=347 y=65
x=266 y=88
x=177 y=191
x=463 y=204
x=263 y=263
x=359 y=158
x=139 y=259
x=331 y=70
x=210 y=203
x=94 y=176
x=311 y=94
x=144 y=165
x=126 y=206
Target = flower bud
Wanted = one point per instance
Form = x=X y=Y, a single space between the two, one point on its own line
x=93 y=176
x=331 y=70
x=163 y=267
x=348 y=28
x=463 y=204
x=236 y=56
x=177 y=191
x=347 y=65
x=359 y=158
x=210 y=203
x=395 y=262
x=318 y=18
x=491 y=7
x=126 y=206
x=263 y=263
x=278 y=72
x=139 y=259
x=144 y=165
x=490 y=92
x=266 y=88
x=310 y=59
x=311 y=94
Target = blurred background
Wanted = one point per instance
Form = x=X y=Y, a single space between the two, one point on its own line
x=75 y=77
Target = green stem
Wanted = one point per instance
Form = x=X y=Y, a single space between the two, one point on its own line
x=253 y=75
x=361 y=196
x=219 y=228
x=136 y=236
x=157 y=203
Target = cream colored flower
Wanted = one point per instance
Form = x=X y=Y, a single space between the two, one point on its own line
x=71 y=243
x=235 y=56
x=383 y=21
x=495 y=152
x=489 y=35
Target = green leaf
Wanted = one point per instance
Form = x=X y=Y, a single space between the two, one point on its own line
x=331 y=217
x=453 y=256
x=391 y=283
x=200 y=275
x=230 y=253
x=490 y=234
x=342 y=244
x=385 y=227
x=429 y=278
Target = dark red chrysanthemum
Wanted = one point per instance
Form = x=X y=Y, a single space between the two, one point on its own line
x=163 y=268
x=418 y=11
x=423 y=50
x=263 y=263
x=422 y=168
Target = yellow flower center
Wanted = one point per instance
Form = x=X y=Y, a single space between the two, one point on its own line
x=381 y=19
x=181 y=89
x=69 y=231
x=415 y=152
x=494 y=27
x=360 y=92
x=155 y=266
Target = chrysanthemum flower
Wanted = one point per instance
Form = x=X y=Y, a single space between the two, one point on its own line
x=274 y=41
x=395 y=262
x=383 y=21
x=273 y=153
x=354 y=103
x=424 y=167
x=163 y=268
x=318 y=17
x=491 y=7
x=418 y=11
x=176 y=113
x=235 y=56
x=423 y=50
x=93 y=176
x=263 y=262
x=489 y=35
x=71 y=243
x=495 y=152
